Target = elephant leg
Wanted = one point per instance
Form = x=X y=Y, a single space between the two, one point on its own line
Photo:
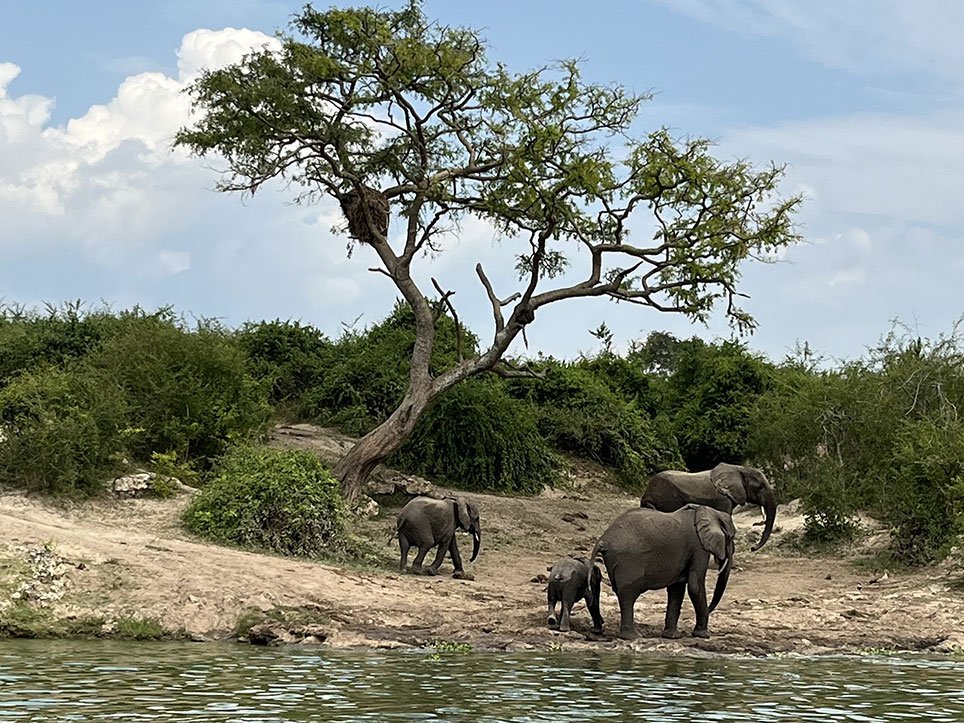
x=674 y=603
x=404 y=545
x=454 y=553
x=419 y=557
x=443 y=547
x=568 y=600
x=696 y=587
x=627 y=623
x=551 y=619
x=592 y=603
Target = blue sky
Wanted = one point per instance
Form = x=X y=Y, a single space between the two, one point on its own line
x=863 y=101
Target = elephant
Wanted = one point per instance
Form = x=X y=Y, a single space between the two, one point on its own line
x=426 y=522
x=645 y=549
x=570 y=579
x=724 y=487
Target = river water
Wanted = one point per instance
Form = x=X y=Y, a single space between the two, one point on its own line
x=103 y=681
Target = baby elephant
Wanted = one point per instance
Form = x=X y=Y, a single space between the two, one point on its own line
x=570 y=579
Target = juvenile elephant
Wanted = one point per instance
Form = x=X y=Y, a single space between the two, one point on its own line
x=645 y=549
x=724 y=487
x=426 y=522
x=572 y=579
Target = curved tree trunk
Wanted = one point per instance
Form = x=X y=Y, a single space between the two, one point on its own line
x=375 y=447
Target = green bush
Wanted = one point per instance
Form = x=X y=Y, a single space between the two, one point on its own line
x=579 y=413
x=31 y=339
x=879 y=433
x=288 y=357
x=63 y=429
x=188 y=392
x=476 y=437
x=925 y=498
x=282 y=501
x=710 y=394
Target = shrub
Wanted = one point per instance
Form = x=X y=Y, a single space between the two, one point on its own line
x=63 y=430
x=476 y=437
x=711 y=394
x=281 y=501
x=188 y=392
x=925 y=497
x=289 y=358
x=580 y=414
x=32 y=339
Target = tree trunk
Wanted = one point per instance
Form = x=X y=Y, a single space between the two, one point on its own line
x=375 y=447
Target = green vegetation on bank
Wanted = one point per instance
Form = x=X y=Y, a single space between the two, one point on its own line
x=282 y=501
x=85 y=394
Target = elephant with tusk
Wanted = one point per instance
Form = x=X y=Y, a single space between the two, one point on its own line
x=426 y=522
x=644 y=549
x=723 y=488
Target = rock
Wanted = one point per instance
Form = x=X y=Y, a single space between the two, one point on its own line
x=141 y=484
x=47 y=579
x=540 y=578
x=953 y=643
x=277 y=634
x=133 y=485
x=387 y=482
x=365 y=506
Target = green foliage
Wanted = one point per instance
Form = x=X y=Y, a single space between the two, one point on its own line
x=477 y=437
x=926 y=495
x=367 y=373
x=288 y=357
x=711 y=391
x=30 y=339
x=81 y=391
x=580 y=413
x=62 y=428
x=166 y=469
x=282 y=501
x=138 y=628
x=880 y=433
x=189 y=392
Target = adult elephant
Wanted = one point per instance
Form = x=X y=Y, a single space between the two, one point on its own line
x=426 y=522
x=645 y=549
x=724 y=487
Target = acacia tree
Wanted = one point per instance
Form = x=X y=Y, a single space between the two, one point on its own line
x=401 y=119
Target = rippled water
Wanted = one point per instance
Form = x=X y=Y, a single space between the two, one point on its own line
x=99 y=681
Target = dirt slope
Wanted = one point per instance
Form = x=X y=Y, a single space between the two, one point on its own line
x=131 y=558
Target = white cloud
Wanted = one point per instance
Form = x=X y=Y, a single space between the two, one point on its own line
x=106 y=178
x=218 y=48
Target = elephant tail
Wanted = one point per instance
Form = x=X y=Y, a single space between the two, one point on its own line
x=393 y=532
x=600 y=547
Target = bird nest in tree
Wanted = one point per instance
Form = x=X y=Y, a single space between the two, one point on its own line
x=354 y=204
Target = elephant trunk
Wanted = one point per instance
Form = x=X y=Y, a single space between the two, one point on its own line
x=476 y=543
x=769 y=504
x=722 y=578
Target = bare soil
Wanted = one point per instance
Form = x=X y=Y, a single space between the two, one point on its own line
x=131 y=558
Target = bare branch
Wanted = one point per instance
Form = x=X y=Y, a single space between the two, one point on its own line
x=447 y=300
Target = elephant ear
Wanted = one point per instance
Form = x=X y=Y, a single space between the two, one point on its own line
x=713 y=529
x=730 y=477
x=462 y=513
